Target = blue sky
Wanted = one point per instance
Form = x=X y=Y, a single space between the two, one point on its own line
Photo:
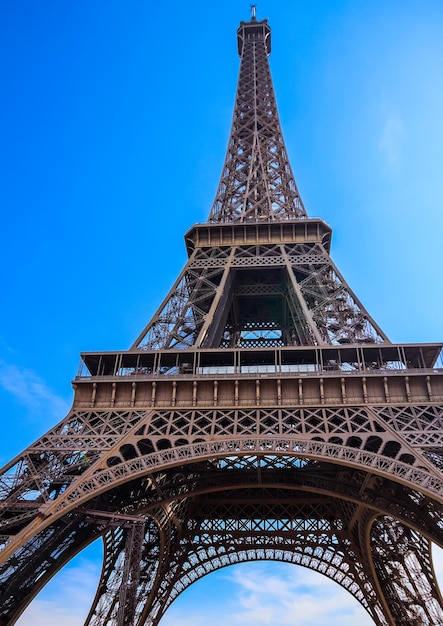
x=114 y=122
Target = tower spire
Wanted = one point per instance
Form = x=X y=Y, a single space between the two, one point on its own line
x=257 y=183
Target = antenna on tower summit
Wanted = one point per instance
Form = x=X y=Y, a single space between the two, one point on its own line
x=253 y=9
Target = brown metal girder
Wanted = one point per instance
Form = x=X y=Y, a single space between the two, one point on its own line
x=246 y=548
x=237 y=548
x=66 y=526
x=235 y=197
x=162 y=548
x=160 y=308
x=57 y=511
x=39 y=525
x=109 y=561
x=396 y=619
x=251 y=547
x=359 y=304
x=210 y=559
x=391 y=499
x=315 y=334
x=212 y=329
x=278 y=486
x=131 y=576
x=153 y=595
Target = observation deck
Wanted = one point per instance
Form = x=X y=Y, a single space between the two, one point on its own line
x=286 y=376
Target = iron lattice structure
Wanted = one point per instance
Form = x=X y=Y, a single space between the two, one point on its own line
x=261 y=414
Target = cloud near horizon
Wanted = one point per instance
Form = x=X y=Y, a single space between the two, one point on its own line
x=67 y=598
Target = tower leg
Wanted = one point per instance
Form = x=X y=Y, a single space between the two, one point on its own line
x=131 y=575
x=33 y=565
x=403 y=563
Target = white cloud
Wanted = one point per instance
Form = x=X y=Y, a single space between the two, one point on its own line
x=290 y=597
x=67 y=598
x=267 y=593
x=270 y=593
x=49 y=614
x=390 y=142
x=32 y=391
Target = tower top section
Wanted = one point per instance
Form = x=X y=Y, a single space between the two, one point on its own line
x=257 y=183
x=255 y=31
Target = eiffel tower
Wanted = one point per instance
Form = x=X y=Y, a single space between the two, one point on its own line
x=261 y=414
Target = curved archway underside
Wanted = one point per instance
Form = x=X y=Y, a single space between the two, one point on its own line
x=164 y=531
